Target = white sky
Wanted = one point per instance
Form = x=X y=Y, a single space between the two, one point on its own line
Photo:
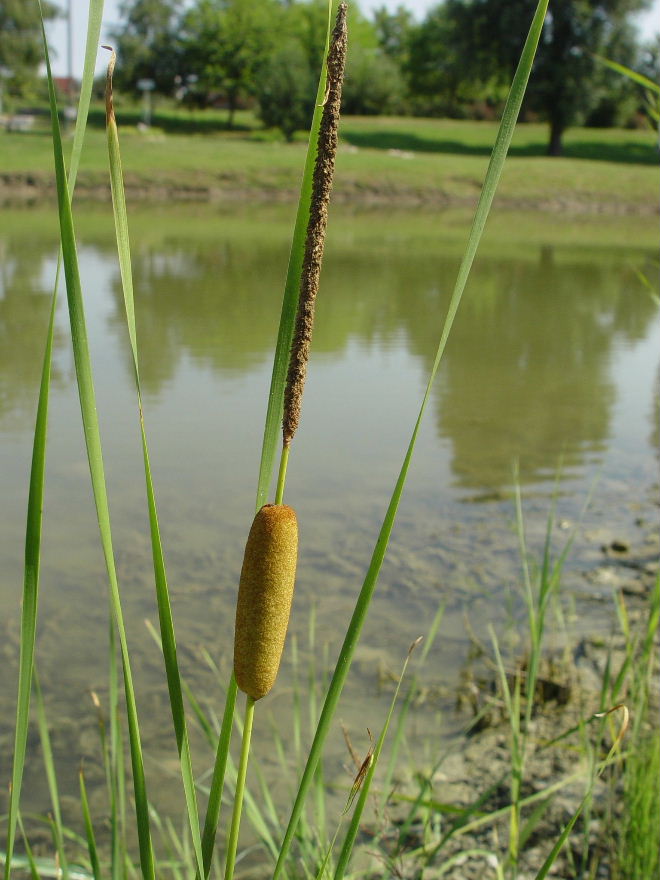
x=649 y=24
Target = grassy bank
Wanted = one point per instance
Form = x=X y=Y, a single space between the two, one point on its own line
x=381 y=160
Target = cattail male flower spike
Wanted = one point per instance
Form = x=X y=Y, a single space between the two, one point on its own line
x=318 y=221
x=264 y=598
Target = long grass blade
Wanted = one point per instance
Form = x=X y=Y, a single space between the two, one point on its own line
x=116 y=785
x=563 y=837
x=89 y=829
x=638 y=78
x=218 y=778
x=493 y=175
x=30 y=593
x=95 y=16
x=91 y=431
x=51 y=776
x=272 y=434
x=222 y=753
x=168 y=639
x=372 y=761
x=32 y=865
x=429 y=639
x=30 y=602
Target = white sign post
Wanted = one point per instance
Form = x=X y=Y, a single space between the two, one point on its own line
x=146 y=86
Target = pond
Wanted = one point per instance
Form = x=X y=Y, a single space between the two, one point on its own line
x=551 y=369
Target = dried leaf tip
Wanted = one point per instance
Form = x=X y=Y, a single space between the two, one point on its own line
x=318 y=219
x=109 y=106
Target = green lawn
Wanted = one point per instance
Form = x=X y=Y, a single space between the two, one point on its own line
x=381 y=158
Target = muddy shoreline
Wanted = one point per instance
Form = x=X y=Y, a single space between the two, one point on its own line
x=568 y=698
x=22 y=189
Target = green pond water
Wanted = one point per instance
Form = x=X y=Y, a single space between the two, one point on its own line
x=553 y=362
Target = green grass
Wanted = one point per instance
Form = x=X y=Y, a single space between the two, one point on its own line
x=433 y=160
x=633 y=839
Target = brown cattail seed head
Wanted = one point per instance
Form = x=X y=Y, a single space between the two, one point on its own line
x=264 y=598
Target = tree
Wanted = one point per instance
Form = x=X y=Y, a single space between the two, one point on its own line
x=224 y=44
x=443 y=75
x=373 y=83
x=394 y=30
x=21 y=47
x=564 y=84
x=561 y=88
x=147 y=44
x=286 y=89
x=307 y=23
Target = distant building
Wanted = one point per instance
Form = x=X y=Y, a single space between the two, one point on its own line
x=67 y=85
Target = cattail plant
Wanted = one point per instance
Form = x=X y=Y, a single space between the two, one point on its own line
x=269 y=562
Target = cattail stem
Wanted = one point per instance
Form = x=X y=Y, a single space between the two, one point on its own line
x=232 y=842
x=281 y=477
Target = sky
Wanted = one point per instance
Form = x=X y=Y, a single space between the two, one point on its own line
x=649 y=24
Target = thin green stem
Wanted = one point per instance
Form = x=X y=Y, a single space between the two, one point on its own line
x=281 y=477
x=232 y=843
x=218 y=779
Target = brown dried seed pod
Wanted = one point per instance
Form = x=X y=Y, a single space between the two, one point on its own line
x=264 y=598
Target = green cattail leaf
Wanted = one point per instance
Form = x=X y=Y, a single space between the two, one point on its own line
x=168 y=639
x=30 y=602
x=92 y=436
x=493 y=175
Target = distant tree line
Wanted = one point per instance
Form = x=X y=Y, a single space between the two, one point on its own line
x=457 y=62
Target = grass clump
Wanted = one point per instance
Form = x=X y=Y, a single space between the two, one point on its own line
x=638 y=855
x=631 y=837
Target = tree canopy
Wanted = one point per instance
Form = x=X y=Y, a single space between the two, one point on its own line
x=21 y=50
x=225 y=42
x=458 y=61
x=147 y=44
x=485 y=39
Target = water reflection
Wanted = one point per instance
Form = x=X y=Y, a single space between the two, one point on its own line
x=216 y=304
x=526 y=375
x=24 y=311
x=528 y=369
